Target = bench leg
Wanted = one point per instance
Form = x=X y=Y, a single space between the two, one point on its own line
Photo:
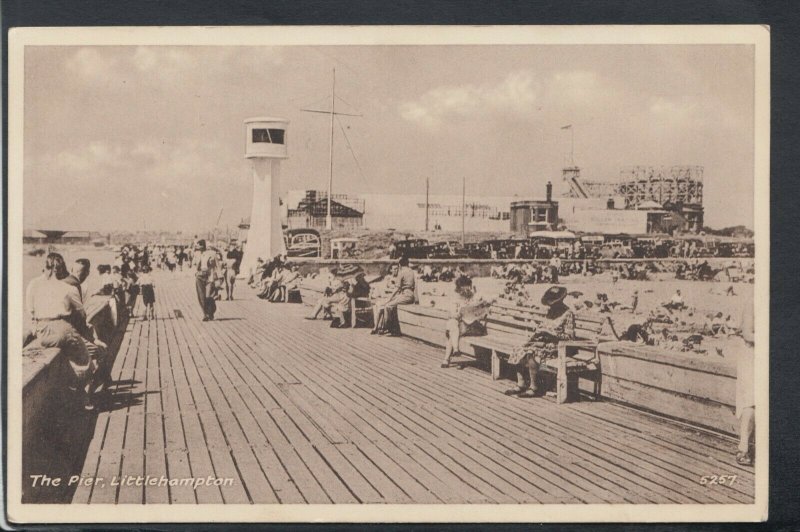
x=562 y=386
x=495 y=366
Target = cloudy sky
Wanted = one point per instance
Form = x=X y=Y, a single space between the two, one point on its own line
x=120 y=137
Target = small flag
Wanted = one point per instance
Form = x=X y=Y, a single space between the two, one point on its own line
x=569 y=126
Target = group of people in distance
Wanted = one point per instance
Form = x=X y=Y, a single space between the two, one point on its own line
x=397 y=287
x=275 y=280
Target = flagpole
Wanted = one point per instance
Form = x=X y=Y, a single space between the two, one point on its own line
x=328 y=219
x=572 y=145
x=463 y=207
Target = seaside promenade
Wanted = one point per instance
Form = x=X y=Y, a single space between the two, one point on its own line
x=277 y=409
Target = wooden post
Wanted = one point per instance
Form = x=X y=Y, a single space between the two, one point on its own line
x=562 y=386
x=495 y=366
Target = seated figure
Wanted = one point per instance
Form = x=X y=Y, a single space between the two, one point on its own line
x=380 y=294
x=543 y=343
x=467 y=318
x=289 y=281
x=404 y=294
x=54 y=306
x=334 y=300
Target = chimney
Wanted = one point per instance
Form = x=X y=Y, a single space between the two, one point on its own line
x=549 y=191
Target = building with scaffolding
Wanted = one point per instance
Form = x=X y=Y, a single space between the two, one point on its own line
x=347 y=212
x=673 y=195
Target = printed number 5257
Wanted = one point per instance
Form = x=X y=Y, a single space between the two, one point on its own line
x=721 y=480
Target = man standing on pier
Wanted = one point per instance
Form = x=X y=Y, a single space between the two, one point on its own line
x=205 y=266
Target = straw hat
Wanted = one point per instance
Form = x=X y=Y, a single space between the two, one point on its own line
x=553 y=295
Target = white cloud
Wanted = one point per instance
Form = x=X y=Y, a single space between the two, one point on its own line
x=82 y=162
x=576 y=87
x=91 y=64
x=152 y=161
x=675 y=112
x=161 y=59
x=516 y=94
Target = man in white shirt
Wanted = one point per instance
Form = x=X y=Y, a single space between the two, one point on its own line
x=53 y=304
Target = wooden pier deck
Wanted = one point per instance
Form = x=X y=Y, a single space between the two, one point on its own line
x=296 y=412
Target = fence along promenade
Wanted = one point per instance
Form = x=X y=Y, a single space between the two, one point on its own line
x=296 y=412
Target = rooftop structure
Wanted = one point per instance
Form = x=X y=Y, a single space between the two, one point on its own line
x=677 y=189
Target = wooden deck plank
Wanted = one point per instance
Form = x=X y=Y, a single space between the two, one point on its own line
x=207 y=337
x=258 y=489
x=296 y=412
x=176 y=455
x=350 y=393
x=556 y=488
x=83 y=492
x=533 y=449
x=197 y=451
x=111 y=454
x=136 y=442
x=373 y=352
x=399 y=457
x=320 y=435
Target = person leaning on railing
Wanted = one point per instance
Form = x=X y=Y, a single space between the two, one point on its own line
x=53 y=305
x=98 y=350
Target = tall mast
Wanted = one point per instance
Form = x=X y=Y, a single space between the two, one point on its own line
x=427 y=200
x=572 y=146
x=328 y=219
x=463 y=207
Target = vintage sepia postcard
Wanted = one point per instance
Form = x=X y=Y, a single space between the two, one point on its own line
x=388 y=274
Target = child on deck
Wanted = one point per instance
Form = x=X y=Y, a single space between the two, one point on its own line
x=147 y=288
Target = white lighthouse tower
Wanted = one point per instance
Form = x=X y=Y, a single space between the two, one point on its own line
x=265 y=146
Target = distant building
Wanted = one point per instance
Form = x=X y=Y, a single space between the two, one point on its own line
x=32 y=236
x=307 y=208
x=672 y=197
x=312 y=210
x=535 y=214
x=82 y=237
x=444 y=212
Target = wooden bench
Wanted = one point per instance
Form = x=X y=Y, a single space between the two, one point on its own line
x=509 y=325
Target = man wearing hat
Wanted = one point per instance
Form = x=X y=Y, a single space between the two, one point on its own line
x=205 y=267
x=543 y=343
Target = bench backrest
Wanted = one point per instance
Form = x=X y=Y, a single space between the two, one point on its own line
x=510 y=319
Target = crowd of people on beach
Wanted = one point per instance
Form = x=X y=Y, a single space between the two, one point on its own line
x=594 y=248
x=533 y=272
